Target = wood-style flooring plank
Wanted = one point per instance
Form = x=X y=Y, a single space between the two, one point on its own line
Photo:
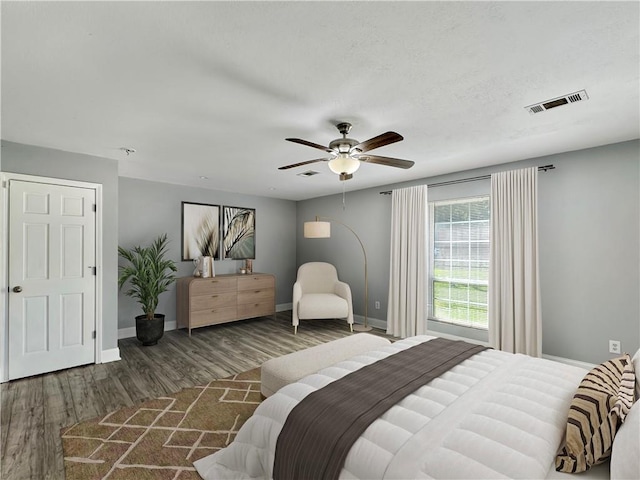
x=33 y=410
x=59 y=412
x=7 y=394
x=113 y=394
x=154 y=379
x=86 y=398
x=130 y=378
x=198 y=368
x=25 y=446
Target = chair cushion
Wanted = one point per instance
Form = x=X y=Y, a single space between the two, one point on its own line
x=317 y=277
x=322 y=305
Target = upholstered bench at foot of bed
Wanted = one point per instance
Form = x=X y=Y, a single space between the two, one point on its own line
x=281 y=371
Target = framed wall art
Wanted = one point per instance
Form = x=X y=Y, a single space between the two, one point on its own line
x=200 y=230
x=238 y=233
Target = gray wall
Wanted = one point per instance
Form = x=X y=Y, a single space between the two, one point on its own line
x=589 y=235
x=46 y=162
x=589 y=211
x=148 y=209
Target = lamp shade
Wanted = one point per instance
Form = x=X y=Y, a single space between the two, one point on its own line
x=317 y=229
x=344 y=163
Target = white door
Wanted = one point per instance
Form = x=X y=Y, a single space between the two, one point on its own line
x=52 y=279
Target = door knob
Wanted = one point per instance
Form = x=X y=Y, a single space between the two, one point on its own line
x=17 y=289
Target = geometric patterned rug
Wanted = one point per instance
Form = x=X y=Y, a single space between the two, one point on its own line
x=161 y=438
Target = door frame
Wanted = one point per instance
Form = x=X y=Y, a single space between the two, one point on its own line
x=5 y=177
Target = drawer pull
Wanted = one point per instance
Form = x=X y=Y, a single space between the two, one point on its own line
x=257 y=291
x=214 y=296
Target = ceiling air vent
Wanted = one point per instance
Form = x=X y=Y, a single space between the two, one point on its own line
x=308 y=173
x=556 y=102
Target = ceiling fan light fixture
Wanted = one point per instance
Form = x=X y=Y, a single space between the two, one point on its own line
x=346 y=153
x=344 y=163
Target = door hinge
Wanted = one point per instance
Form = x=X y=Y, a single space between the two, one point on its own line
x=95 y=207
x=93 y=335
x=94 y=270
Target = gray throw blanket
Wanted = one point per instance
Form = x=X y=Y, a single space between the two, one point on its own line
x=320 y=430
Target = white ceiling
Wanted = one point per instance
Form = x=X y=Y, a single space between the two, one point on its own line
x=213 y=88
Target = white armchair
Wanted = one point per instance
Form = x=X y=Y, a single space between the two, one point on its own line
x=318 y=293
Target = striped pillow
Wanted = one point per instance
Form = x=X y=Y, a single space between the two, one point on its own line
x=598 y=408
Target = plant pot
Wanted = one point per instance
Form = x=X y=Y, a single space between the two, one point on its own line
x=149 y=331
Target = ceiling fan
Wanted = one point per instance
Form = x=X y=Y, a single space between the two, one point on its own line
x=347 y=153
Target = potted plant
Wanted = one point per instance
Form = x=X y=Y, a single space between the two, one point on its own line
x=149 y=274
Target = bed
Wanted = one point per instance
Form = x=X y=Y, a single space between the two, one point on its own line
x=495 y=415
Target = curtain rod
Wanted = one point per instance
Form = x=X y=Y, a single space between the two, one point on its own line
x=544 y=168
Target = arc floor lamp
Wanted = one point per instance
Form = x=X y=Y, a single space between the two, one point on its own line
x=322 y=229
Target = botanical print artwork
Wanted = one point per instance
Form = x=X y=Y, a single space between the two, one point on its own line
x=200 y=230
x=238 y=230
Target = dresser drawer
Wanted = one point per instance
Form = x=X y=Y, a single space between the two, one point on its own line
x=213 y=316
x=255 y=295
x=250 y=282
x=256 y=309
x=210 y=301
x=213 y=285
x=222 y=299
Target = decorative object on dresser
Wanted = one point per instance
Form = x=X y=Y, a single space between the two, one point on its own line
x=149 y=274
x=238 y=233
x=225 y=298
x=204 y=267
x=200 y=230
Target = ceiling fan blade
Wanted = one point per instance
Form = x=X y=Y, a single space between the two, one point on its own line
x=294 y=165
x=379 y=141
x=310 y=144
x=390 y=162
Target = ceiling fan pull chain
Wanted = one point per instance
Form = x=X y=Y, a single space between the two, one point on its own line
x=344 y=204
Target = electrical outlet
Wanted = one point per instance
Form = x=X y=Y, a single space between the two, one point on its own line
x=614 y=346
x=377 y=305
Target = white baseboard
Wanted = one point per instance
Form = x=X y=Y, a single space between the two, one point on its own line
x=129 y=332
x=111 y=355
x=372 y=322
x=568 y=361
x=448 y=336
x=126 y=332
x=283 y=307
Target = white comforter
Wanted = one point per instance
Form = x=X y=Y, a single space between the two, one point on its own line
x=495 y=415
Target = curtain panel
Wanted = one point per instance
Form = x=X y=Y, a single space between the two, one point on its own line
x=408 y=285
x=514 y=291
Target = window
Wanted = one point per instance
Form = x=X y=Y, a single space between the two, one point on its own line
x=459 y=267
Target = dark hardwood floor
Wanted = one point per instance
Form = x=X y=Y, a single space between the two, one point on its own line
x=33 y=410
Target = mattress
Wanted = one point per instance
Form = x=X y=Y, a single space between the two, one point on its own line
x=495 y=415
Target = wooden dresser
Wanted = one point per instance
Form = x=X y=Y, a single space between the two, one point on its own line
x=224 y=298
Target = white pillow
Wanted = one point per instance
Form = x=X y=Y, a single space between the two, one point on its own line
x=625 y=461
